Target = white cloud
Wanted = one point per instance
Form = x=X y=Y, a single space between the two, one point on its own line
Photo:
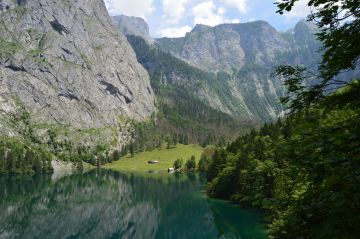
x=173 y=10
x=174 y=31
x=240 y=5
x=207 y=13
x=300 y=9
x=221 y=11
x=138 y=8
x=235 y=20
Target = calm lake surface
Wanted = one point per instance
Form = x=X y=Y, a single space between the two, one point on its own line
x=107 y=204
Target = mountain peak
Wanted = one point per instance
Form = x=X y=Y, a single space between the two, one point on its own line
x=201 y=28
x=306 y=25
x=258 y=23
x=132 y=26
x=304 y=32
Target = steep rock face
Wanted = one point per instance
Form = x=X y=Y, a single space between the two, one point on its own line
x=66 y=63
x=304 y=33
x=228 y=47
x=189 y=99
x=248 y=53
x=132 y=26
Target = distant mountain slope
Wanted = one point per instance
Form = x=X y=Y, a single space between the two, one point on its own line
x=231 y=47
x=248 y=53
x=66 y=63
x=132 y=26
x=188 y=98
x=236 y=62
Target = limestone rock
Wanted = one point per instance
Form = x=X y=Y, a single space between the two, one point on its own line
x=132 y=26
x=66 y=63
x=248 y=53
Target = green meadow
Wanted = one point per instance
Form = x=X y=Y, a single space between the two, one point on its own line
x=166 y=158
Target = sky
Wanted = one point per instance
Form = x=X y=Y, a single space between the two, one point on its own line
x=173 y=18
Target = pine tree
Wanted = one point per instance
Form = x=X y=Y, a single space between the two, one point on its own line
x=37 y=165
x=132 y=153
x=191 y=164
x=168 y=143
x=116 y=155
x=2 y=159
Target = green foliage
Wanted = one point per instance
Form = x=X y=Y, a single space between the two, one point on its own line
x=165 y=158
x=31 y=153
x=315 y=178
x=178 y=163
x=132 y=152
x=7 y=48
x=205 y=158
x=168 y=143
x=339 y=25
x=17 y=157
x=204 y=163
x=190 y=164
x=218 y=163
x=25 y=154
x=183 y=115
x=304 y=170
x=297 y=97
x=20 y=11
x=116 y=155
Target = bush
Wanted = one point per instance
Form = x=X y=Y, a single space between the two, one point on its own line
x=116 y=155
x=190 y=164
x=178 y=164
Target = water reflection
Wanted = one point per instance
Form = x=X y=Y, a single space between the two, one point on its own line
x=106 y=204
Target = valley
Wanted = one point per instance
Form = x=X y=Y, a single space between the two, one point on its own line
x=165 y=157
x=232 y=129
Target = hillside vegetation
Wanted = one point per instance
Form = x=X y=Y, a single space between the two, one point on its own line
x=304 y=170
x=183 y=110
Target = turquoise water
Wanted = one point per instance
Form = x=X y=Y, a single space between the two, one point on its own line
x=106 y=204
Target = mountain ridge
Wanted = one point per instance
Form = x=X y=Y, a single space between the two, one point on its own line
x=64 y=62
x=248 y=53
x=132 y=26
x=240 y=59
x=208 y=47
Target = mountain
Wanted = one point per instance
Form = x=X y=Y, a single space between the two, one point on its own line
x=132 y=26
x=188 y=98
x=231 y=64
x=247 y=54
x=65 y=63
x=239 y=60
x=231 y=47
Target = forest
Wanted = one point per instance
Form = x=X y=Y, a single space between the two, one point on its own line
x=183 y=115
x=304 y=170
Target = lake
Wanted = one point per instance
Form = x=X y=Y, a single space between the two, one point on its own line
x=108 y=204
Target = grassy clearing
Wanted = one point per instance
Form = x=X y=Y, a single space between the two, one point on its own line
x=166 y=158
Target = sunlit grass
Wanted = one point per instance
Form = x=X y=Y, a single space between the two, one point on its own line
x=166 y=158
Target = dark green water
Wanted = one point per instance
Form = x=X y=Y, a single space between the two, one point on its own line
x=106 y=204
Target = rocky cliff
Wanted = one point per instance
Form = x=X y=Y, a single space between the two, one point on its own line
x=247 y=54
x=229 y=47
x=65 y=63
x=132 y=26
x=190 y=101
x=241 y=57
